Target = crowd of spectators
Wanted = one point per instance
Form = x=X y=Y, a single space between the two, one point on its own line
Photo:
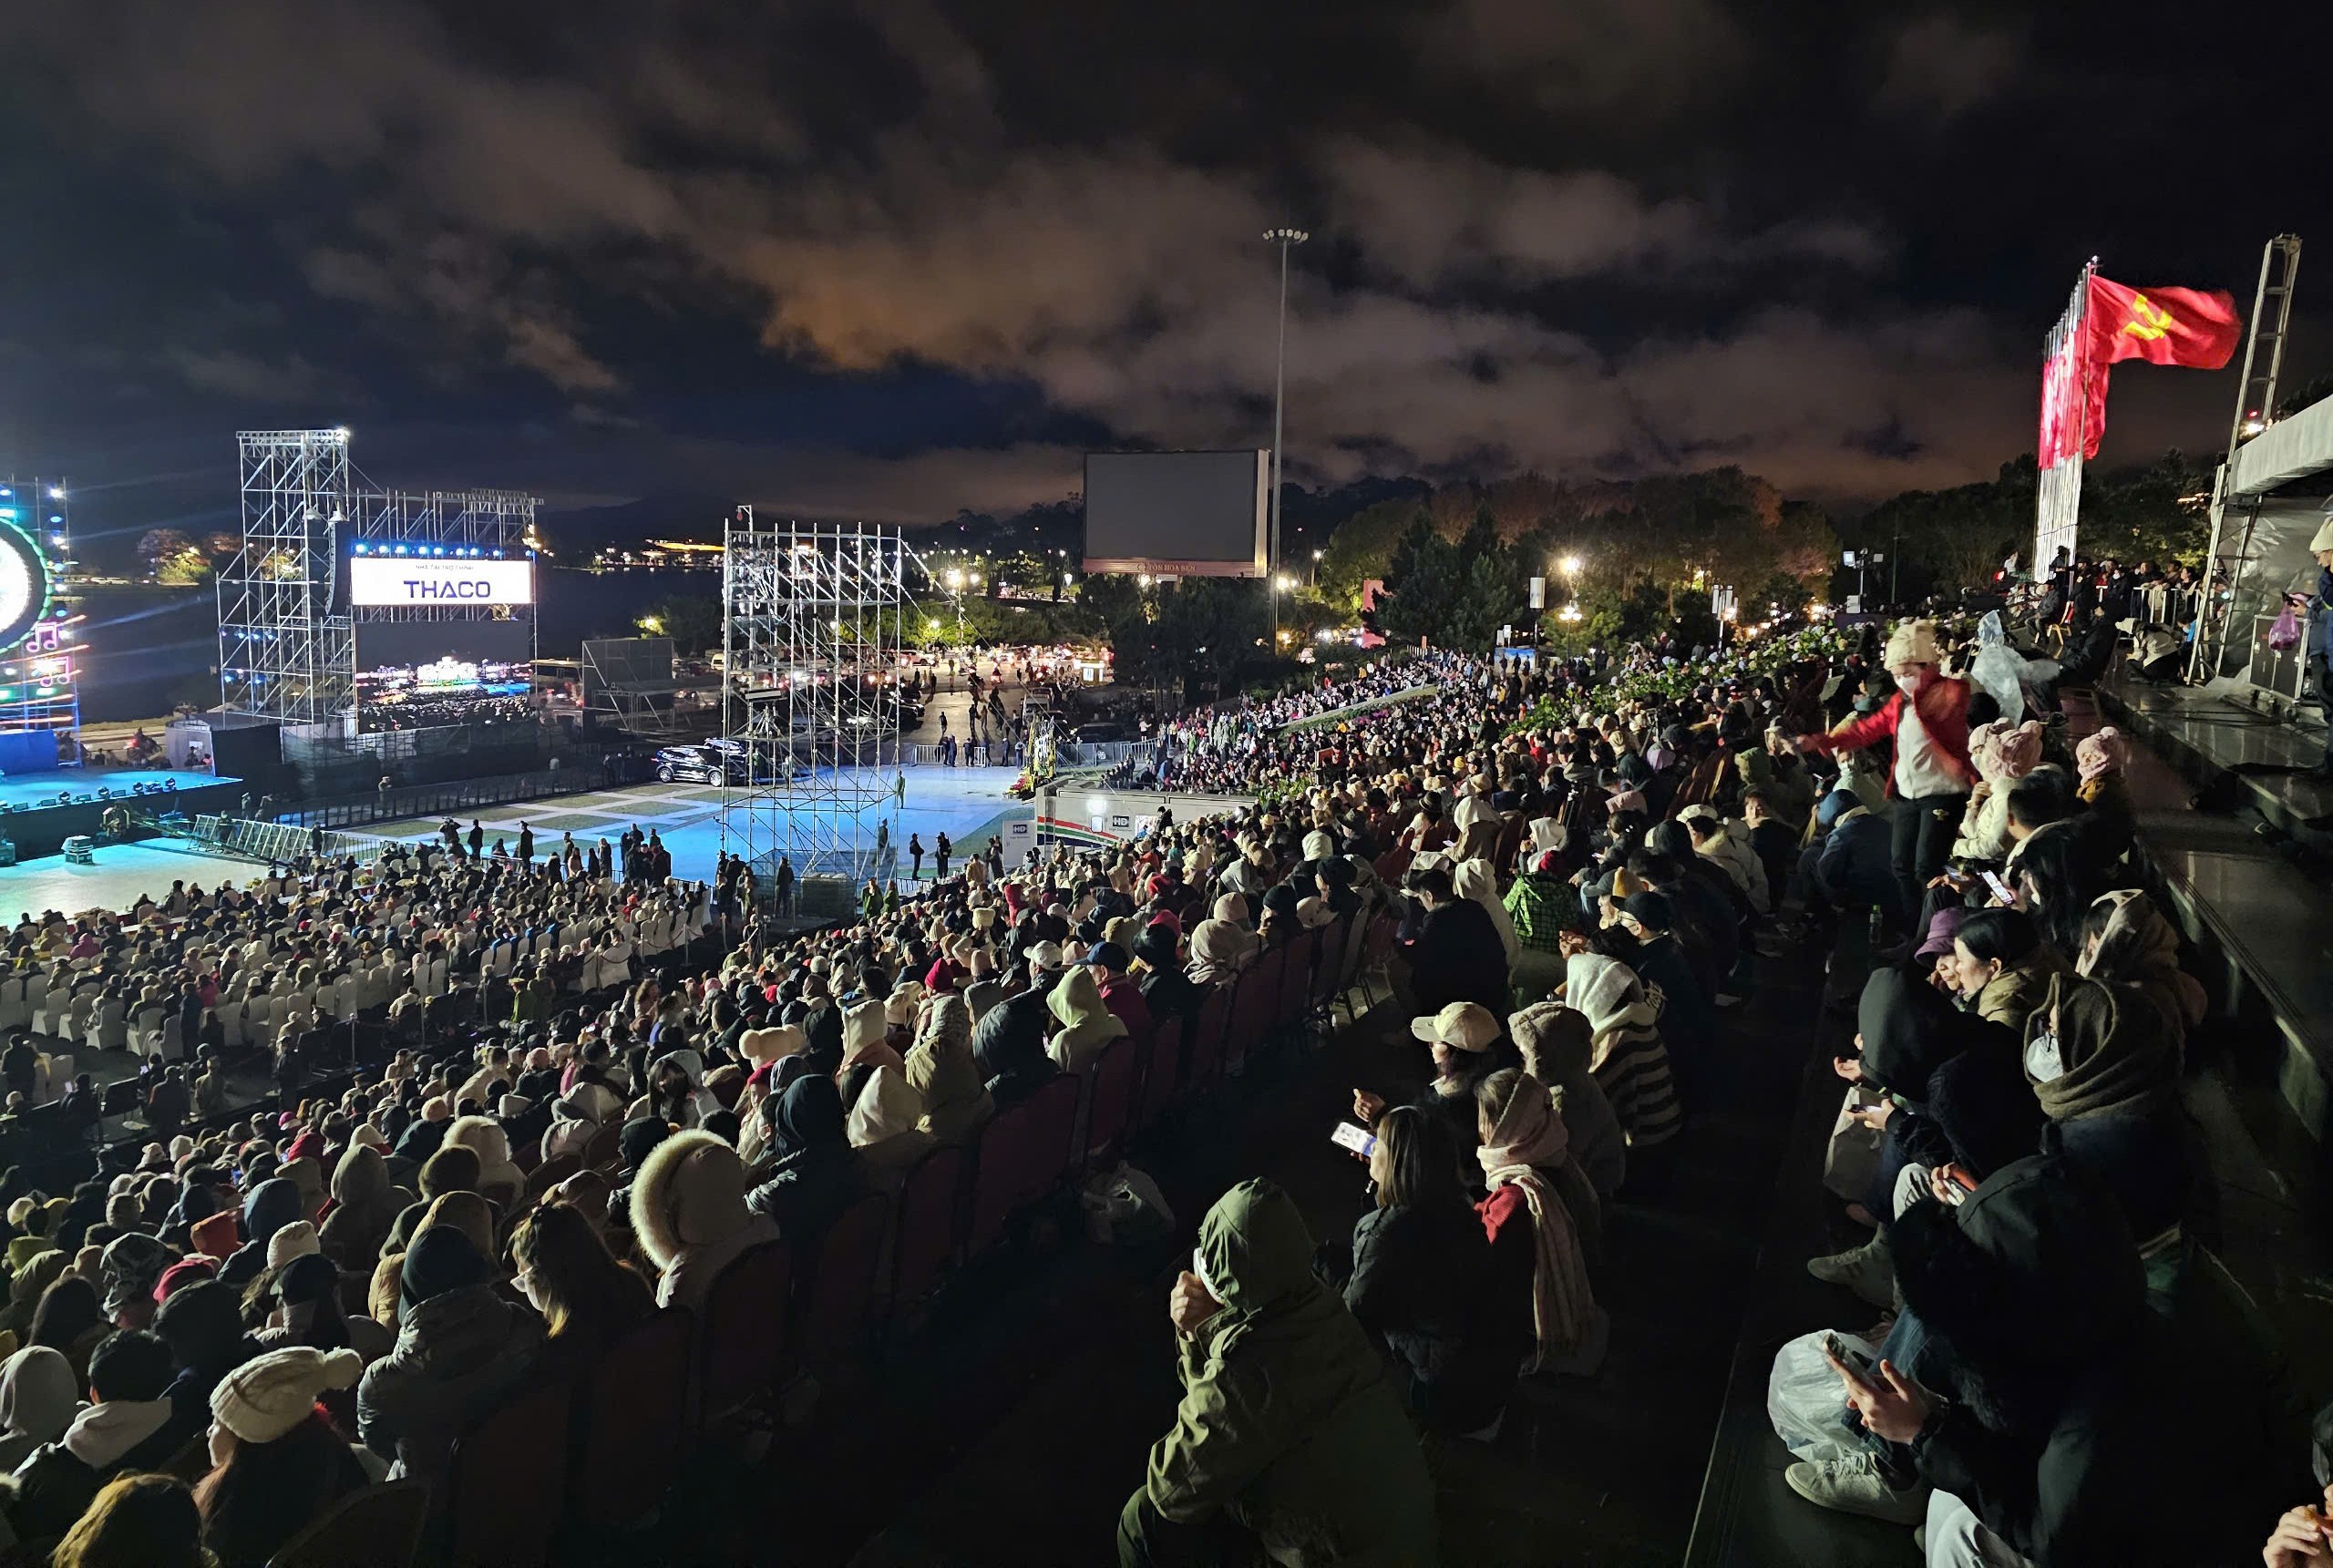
x=1579 y=883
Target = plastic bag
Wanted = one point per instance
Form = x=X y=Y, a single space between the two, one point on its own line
x=2284 y=636
x=1124 y=1204
x=1807 y=1403
x=1851 y=1160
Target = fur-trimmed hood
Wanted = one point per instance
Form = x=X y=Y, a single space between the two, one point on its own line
x=690 y=1194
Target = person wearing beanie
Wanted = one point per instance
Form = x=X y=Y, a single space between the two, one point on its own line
x=127 y=1272
x=1927 y=719
x=460 y=1346
x=689 y=1213
x=276 y=1462
x=185 y=1272
x=297 y=1239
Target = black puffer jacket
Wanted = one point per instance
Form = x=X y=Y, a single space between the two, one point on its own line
x=1422 y=1286
x=2059 y=1443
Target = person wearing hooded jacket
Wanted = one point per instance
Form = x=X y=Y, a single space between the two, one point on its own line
x=1952 y=1092
x=2106 y=1073
x=815 y=1173
x=940 y=1068
x=1087 y=1022
x=2126 y=941
x=132 y=1426
x=273 y=1205
x=498 y=1179
x=38 y=1400
x=1289 y=1436
x=2035 y=1452
x=690 y=1216
x=460 y=1347
x=885 y=1125
x=1557 y=1045
x=1629 y=1061
x=364 y=1205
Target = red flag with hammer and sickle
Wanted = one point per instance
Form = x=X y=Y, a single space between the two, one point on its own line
x=2162 y=326
x=2193 y=327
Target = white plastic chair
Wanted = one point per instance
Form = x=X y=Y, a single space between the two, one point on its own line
x=16 y=1011
x=108 y=1026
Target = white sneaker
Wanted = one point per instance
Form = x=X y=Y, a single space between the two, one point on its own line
x=1853 y=1485
x=1869 y=1270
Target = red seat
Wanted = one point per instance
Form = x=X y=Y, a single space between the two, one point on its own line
x=507 y=1486
x=1255 y=1003
x=635 y=1420
x=930 y=1204
x=1207 y=1035
x=1155 y=1088
x=605 y=1150
x=742 y=1348
x=837 y=1298
x=1021 y=1152
x=1296 y=978
x=374 y=1527
x=1109 y=1102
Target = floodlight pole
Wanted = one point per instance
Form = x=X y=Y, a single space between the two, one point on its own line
x=1284 y=239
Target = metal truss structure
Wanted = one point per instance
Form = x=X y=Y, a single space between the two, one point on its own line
x=286 y=638
x=812 y=632
x=284 y=654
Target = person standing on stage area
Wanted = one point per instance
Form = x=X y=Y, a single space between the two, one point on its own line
x=525 y=844
x=1927 y=718
x=940 y=850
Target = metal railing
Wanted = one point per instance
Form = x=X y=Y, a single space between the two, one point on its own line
x=454 y=798
x=281 y=843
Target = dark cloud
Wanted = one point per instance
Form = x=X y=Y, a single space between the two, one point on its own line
x=1599 y=237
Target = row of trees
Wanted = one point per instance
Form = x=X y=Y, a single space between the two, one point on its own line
x=1622 y=559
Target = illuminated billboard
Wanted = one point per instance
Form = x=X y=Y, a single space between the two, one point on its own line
x=376 y=583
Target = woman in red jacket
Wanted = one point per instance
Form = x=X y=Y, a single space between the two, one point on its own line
x=1929 y=721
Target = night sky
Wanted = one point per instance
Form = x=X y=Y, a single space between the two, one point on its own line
x=894 y=259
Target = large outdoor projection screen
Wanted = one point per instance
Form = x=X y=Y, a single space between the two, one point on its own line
x=1177 y=513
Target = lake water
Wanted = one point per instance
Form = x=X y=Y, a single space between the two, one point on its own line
x=152 y=648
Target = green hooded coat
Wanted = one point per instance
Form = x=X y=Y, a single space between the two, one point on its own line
x=1287 y=1419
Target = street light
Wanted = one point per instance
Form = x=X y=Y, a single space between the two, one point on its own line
x=1569 y=566
x=1284 y=239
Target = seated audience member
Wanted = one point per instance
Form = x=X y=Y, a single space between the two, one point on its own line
x=940 y=1068
x=2031 y=1452
x=814 y=1173
x=690 y=1216
x=276 y=1461
x=1629 y=1061
x=137 y=1522
x=1557 y=1048
x=1526 y=1163
x=1455 y=954
x=460 y=1346
x=1467 y=1048
x=1289 y=1440
x=587 y=1300
x=2125 y=940
x=2001 y=968
x=39 y=1399
x=2106 y=1072
x=126 y=1428
x=1419 y=1281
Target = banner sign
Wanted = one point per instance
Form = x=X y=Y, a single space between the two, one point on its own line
x=375 y=583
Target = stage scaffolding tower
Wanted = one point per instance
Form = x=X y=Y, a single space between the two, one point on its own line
x=284 y=654
x=811 y=628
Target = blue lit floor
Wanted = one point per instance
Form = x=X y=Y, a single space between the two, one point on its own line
x=966 y=803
